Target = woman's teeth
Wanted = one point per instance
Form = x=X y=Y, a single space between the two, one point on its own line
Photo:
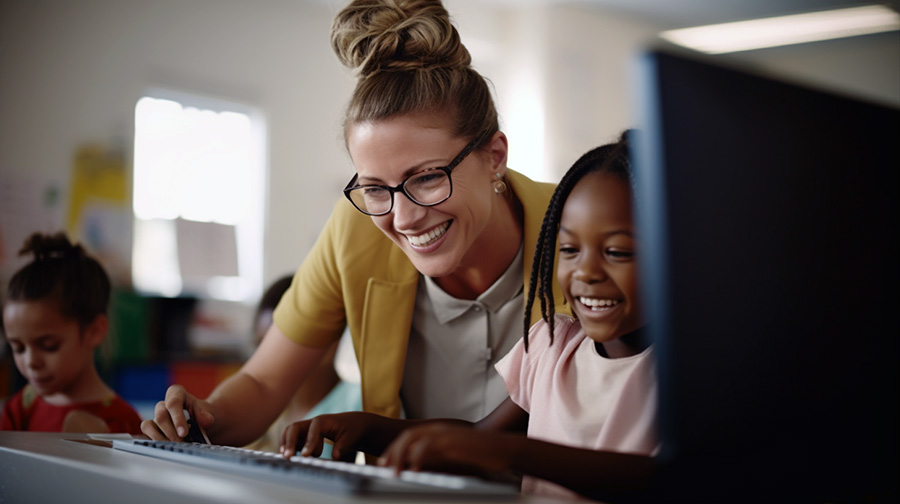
x=598 y=304
x=428 y=238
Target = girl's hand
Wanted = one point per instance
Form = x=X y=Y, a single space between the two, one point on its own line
x=169 y=422
x=349 y=432
x=451 y=448
x=345 y=430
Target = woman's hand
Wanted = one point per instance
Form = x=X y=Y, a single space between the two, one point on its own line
x=349 y=432
x=169 y=422
x=452 y=448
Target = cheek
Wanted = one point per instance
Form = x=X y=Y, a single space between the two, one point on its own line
x=563 y=276
x=19 y=359
x=384 y=224
x=628 y=283
x=66 y=362
x=471 y=202
x=629 y=287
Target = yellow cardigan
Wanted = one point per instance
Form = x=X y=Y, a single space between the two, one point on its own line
x=356 y=276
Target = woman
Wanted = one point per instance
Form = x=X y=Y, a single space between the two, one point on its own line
x=424 y=263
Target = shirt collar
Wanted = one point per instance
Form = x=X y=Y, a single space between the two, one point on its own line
x=507 y=287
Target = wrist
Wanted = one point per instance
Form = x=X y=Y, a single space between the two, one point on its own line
x=512 y=453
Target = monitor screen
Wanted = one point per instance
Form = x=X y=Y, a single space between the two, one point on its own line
x=768 y=218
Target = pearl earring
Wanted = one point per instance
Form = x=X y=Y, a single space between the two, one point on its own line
x=499 y=185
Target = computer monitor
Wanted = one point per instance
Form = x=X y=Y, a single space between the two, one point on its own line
x=768 y=220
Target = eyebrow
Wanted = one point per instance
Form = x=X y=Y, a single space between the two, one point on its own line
x=630 y=234
x=406 y=174
x=36 y=341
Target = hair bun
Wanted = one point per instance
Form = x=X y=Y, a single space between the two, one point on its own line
x=396 y=35
x=45 y=247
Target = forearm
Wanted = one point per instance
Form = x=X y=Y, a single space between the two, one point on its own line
x=243 y=408
x=592 y=473
x=249 y=401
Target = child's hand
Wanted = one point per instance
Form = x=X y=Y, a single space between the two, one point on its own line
x=350 y=432
x=82 y=421
x=345 y=430
x=169 y=422
x=451 y=448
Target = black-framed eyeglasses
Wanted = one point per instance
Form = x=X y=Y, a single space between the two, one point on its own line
x=426 y=188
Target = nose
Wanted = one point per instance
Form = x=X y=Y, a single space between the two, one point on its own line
x=405 y=212
x=33 y=359
x=589 y=268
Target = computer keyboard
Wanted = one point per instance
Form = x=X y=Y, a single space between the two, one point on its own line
x=311 y=473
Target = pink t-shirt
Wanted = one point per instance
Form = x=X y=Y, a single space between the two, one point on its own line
x=577 y=397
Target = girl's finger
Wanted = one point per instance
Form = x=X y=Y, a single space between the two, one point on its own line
x=312 y=447
x=417 y=452
x=290 y=437
x=396 y=454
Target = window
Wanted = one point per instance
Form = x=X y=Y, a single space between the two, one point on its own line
x=199 y=180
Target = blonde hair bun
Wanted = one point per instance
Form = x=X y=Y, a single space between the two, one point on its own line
x=401 y=35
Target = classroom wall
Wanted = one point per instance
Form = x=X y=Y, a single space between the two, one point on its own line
x=71 y=73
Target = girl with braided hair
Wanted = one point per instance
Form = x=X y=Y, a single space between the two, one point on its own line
x=54 y=318
x=584 y=384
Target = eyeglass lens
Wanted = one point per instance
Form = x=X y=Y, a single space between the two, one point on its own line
x=425 y=188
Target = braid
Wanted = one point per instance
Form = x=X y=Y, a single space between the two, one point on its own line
x=533 y=281
x=611 y=158
x=538 y=282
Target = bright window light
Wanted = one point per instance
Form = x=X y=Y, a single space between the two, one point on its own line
x=199 y=178
x=786 y=30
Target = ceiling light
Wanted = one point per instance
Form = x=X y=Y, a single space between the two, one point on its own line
x=786 y=30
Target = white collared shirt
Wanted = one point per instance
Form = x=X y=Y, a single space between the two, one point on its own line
x=454 y=344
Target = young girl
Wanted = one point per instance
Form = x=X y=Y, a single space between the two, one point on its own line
x=54 y=319
x=584 y=386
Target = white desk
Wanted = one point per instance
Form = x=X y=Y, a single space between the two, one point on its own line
x=63 y=468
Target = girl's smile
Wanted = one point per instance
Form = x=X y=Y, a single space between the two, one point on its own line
x=599 y=306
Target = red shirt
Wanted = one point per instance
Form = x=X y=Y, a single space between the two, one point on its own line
x=27 y=411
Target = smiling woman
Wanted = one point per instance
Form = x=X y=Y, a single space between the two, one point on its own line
x=424 y=260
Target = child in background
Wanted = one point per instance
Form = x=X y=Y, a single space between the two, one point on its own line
x=322 y=392
x=584 y=385
x=54 y=318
